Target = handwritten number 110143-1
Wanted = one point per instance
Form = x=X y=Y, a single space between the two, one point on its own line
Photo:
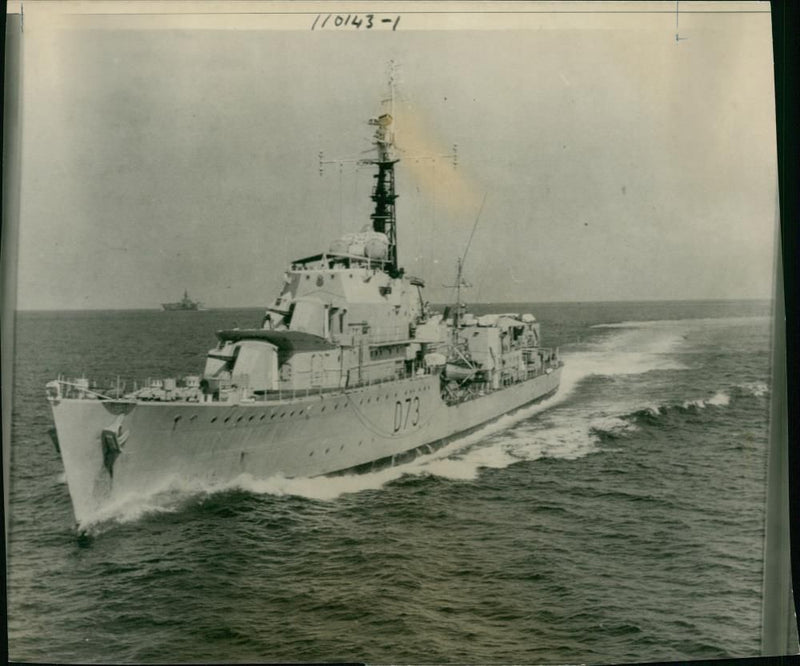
x=354 y=21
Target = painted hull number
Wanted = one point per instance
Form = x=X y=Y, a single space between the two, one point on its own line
x=406 y=413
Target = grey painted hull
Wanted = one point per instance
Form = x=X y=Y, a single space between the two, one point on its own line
x=187 y=442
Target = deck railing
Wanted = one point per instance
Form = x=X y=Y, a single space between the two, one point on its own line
x=83 y=388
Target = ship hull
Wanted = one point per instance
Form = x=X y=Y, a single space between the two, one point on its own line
x=114 y=449
x=171 y=307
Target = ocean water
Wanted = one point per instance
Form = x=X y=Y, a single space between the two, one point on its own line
x=621 y=520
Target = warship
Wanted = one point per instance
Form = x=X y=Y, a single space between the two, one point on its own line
x=185 y=303
x=350 y=370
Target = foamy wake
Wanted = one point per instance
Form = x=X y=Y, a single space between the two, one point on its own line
x=169 y=497
x=705 y=322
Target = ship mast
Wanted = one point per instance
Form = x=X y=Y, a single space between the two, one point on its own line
x=460 y=307
x=460 y=282
x=383 y=193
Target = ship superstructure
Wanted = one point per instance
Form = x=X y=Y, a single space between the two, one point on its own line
x=350 y=368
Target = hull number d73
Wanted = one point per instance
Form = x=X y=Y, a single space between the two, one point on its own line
x=406 y=413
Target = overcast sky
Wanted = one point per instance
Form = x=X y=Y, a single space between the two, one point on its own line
x=171 y=152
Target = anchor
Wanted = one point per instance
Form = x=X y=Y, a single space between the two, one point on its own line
x=113 y=438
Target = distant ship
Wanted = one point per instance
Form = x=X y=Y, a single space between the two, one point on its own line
x=350 y=370
x=185 y=303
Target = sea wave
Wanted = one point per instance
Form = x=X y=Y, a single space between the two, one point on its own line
x=624 y=423
x=613 y=427
x=649 y=412
x=755 y=389
x=132 y=508
x=719 y=399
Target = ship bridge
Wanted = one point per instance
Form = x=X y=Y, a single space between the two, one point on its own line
x=337 y=301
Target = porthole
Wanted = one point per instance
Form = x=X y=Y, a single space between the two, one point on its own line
x=251 y=417
x=327 y=450
x=261 y=418
x=213 y=419
x=239 y=419
x=227 y=418
x=272 y=416
x=291 y=414
x=282 y=414
x=311 y=453
x=341 y=448
x=177 y=418
x=323 y=408
x=193 y=417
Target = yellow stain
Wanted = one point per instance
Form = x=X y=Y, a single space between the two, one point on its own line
x=428 y=160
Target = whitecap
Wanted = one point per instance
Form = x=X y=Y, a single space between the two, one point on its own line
x=698 y=404
x=612 y=425
x=720 y=399
x=756 y=389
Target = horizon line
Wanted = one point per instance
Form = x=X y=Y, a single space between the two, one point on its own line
x=444 y=303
